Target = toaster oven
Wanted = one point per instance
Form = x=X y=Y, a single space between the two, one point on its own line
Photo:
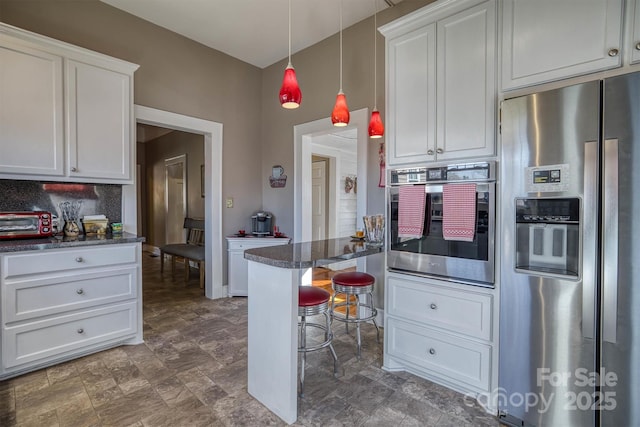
x=21 y=225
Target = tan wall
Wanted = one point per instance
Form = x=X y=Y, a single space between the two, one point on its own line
x=157 y=151
x=179 y=75
x=175 y=74
x=317 y=69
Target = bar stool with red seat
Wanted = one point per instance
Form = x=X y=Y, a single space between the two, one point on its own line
x=314 y=301
x=354 y=283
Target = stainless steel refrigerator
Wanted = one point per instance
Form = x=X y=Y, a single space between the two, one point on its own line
x=570 y=256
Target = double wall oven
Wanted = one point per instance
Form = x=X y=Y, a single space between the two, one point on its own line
x=432 y=253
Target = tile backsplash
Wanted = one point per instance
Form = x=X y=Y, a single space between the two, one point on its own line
x=46 y=196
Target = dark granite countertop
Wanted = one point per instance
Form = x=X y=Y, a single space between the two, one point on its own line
x=58 y=242
x=312 y=254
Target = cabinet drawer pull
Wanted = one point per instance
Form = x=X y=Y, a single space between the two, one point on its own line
x=79 y=259
x=80 y=291
x=439 y=151
x=81 y=331
x=638 y=46
x=74 y=169
x=433 y=306
x=613 y=52
x=430 y=152
x=432 y=351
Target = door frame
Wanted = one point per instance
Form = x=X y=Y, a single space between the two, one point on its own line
x=212 y=132
x=303 y=135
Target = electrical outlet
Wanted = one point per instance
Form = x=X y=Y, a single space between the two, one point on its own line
x=229 y=202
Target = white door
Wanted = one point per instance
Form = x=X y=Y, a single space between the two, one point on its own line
x=175 y=199
x=319 y=200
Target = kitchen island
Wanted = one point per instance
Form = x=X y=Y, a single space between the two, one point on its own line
x=274 y=276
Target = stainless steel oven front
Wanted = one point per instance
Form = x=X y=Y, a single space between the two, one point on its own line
x=430 y=254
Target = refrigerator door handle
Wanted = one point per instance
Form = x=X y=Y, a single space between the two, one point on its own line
x=589 y=250
x=610 y=242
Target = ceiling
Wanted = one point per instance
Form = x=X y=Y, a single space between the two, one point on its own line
x=254 y=31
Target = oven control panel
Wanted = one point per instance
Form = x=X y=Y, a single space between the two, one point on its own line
x=474 y=172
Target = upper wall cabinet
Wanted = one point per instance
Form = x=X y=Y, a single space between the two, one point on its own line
x=633 y=44
x=441 y=92
x=65 y=112
x=99 y=122
x=546 y=40
x=31 y=111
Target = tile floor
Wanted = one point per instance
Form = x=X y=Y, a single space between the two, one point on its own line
x=191 y=371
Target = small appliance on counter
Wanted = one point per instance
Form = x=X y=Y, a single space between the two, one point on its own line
x=21 y=225
x=261 y=224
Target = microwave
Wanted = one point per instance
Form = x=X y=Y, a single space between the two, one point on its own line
x=22 y=225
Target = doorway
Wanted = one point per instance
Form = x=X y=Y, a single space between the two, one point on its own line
x=313 y=138
x=175 y=200
x=212 y=179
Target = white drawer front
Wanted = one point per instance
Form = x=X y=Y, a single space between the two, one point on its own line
x=28 y=299
x=36 y=341
x=458 y=311
x=67 y=259
x=244 y=244
x=444 y=355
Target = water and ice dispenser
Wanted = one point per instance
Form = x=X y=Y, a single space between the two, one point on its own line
x=548 y=236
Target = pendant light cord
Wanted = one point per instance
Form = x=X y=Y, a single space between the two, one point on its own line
x=289 y=34
x=340 y=45
x=375 y=56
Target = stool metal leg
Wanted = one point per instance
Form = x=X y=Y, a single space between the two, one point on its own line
x=359 y=341
x=348 y=299
x=303 y=341
x=331 y=349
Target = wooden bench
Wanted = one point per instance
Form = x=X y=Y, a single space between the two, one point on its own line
x=193 y=250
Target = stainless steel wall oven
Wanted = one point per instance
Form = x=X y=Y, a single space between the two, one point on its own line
x=431 y=251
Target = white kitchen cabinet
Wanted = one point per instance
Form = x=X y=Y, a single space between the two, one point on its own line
x=66 y=112
x=633 y=41
x=546 y=40
x=31 y=111
x=59 y=304
x=99 y=122
x=441 y=90
x=441 y=331
x=237 y=275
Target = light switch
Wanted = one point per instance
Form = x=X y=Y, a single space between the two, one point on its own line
x=229 y=202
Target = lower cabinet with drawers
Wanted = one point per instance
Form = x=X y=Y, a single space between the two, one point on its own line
x=237 y=266
x=59 y=304
x=444 y=332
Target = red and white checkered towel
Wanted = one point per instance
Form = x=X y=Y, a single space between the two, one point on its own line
x=459 y=212
x=411 y=202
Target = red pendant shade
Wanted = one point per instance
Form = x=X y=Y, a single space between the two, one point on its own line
x=340 y=115
x=290 y=94
x=376 y=127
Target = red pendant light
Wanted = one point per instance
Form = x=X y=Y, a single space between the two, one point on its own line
x=340 y=115
x=290 y=94
x=376 y=127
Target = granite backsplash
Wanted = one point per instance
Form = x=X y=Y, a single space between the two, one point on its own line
x=46 y=196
